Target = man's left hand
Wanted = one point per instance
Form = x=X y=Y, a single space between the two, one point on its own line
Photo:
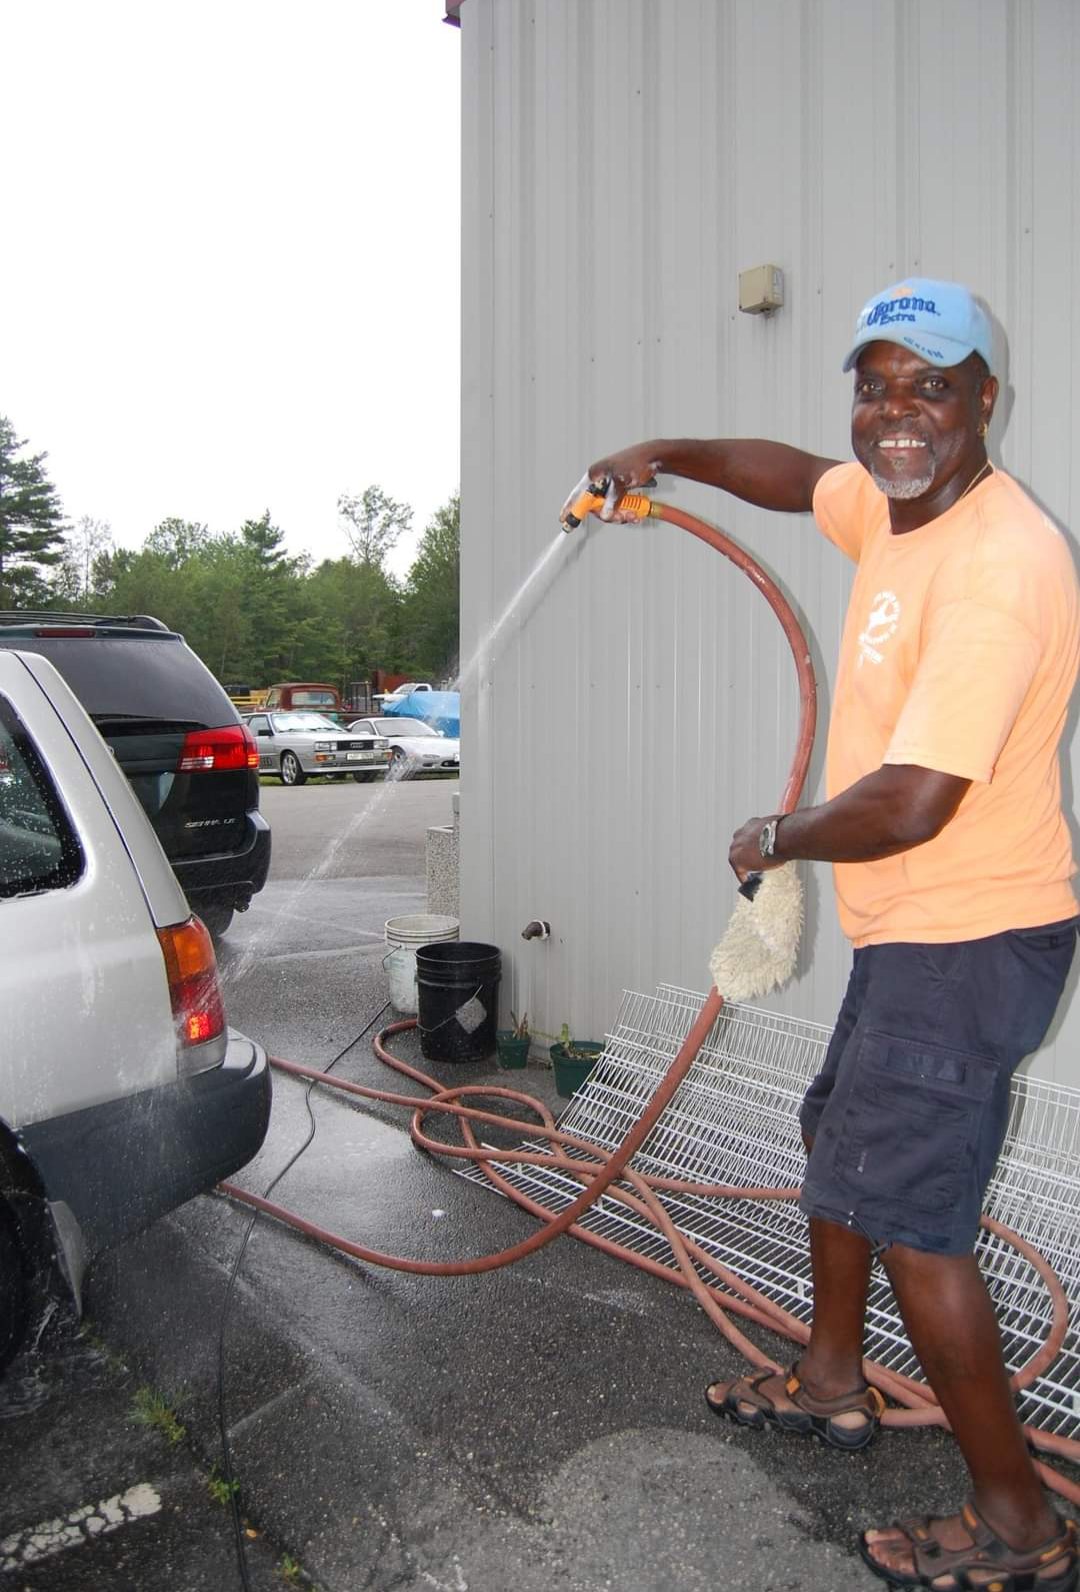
x=744 y=853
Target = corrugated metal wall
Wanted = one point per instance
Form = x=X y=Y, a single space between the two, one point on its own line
x=623 y=160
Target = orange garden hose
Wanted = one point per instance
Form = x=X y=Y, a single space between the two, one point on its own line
x=600 y=1172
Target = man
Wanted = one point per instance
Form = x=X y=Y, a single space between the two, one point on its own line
x=952 y=866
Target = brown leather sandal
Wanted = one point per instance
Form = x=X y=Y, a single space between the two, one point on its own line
x=1005 y=1569
x=811 y=1416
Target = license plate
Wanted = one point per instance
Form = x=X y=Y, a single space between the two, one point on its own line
x=360 y=757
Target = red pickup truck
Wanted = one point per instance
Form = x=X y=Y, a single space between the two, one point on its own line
x=311 y=694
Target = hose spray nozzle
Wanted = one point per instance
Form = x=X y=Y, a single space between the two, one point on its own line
x=590 y=500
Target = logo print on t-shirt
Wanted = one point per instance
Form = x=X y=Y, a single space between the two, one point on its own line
x=880 y=627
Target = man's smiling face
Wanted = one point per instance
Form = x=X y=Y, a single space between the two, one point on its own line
x=915 y=426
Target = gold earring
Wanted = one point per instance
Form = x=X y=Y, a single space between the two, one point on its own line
x=983 y=428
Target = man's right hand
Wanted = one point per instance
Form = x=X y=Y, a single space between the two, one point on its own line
x=622 y=472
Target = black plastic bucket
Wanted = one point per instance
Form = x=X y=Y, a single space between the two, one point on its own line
x=457 y=984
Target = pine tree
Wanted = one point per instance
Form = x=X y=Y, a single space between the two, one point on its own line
x=31 y=534
x=271 y=597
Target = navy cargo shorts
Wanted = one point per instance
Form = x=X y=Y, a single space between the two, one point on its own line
x=909 y=1112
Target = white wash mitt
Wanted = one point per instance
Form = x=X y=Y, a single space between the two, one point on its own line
x=761 y=942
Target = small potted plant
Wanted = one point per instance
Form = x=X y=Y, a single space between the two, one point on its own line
x=512 y=1044
x=573 y=1060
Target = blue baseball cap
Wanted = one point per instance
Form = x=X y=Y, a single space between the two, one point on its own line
x=939 y=320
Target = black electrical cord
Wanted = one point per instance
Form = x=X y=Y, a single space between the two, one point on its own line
x=226 y=1456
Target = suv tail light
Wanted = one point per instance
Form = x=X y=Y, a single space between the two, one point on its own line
x=198 y=1011
x=68 y=632
x=215 y=750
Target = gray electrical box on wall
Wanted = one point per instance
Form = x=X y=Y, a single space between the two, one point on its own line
x=761 y=290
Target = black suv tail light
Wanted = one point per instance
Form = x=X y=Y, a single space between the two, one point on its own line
x=214 y=750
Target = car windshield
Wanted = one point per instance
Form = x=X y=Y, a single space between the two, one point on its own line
x=291 y=722
x=313 y=698
x=403 y=727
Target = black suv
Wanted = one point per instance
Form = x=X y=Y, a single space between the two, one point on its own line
x=192 y=762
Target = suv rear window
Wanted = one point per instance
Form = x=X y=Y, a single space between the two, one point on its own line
x=137 y=674
x=38 y=847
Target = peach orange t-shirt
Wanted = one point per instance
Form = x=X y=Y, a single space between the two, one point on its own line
x=959 y=653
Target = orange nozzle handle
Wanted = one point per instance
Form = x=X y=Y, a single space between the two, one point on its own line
x=633 y=503
x=591 y=501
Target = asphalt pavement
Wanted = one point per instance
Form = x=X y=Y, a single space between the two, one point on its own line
x=540 y=1428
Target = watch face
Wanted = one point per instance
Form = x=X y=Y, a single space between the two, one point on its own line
x=767 y=840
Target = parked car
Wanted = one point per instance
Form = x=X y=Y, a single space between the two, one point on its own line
x=313 y=695
x=295 y=745
x=122 y=1091
x=179 y=740
x=400 y=692
x=415 y=747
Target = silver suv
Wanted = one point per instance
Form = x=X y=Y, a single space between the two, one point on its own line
x=122 y=1091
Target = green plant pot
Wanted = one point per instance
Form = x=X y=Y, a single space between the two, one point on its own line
x=511 y=1051
x=572 y=1071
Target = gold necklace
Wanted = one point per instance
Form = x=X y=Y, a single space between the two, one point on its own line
x=976 y=478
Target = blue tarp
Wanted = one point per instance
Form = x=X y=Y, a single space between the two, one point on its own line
x=441 y=709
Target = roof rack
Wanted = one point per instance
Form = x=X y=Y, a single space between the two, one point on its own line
x=29 y=616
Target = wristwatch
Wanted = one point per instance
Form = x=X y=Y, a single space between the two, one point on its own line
x=767 y=838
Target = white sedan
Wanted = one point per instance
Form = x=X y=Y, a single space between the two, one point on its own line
x=415 y=747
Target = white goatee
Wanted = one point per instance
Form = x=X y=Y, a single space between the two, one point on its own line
x=911 y=487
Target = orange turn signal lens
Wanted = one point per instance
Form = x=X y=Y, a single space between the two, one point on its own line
x=194 y=987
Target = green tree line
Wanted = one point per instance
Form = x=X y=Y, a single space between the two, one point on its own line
x=252 y=612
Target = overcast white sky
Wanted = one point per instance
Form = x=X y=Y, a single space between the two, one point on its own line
x=230 y=257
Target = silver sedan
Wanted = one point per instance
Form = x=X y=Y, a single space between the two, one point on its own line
x=296 y=744
x=415 y=747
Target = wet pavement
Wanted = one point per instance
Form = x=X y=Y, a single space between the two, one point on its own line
x=540 y=1428
x=93 y=1498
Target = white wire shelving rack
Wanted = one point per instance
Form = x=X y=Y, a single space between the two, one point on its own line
x=734 y=1121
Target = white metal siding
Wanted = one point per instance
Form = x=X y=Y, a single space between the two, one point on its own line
x=623 y=160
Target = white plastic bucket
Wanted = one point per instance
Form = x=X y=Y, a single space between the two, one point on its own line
x=403 y=935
